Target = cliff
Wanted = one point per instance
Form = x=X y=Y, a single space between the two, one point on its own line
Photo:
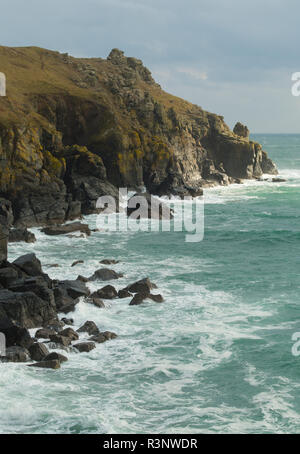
x=74 y=129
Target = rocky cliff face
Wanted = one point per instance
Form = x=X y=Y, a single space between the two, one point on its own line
x=74 y=129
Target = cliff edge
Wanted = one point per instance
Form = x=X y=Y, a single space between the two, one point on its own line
x=73 y=129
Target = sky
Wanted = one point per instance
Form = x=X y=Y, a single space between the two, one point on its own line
x=234 y=58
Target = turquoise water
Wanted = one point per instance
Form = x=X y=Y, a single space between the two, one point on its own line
x=215 y=357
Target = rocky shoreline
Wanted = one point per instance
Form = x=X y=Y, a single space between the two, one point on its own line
x=29 y=298
x=102 y=124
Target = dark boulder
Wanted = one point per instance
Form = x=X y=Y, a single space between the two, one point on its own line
x=82 y=279
x=103 y=337
x=18 y=235
x=30 y=264
x=77 y=262
x=156 y=298
x=144 y=205
x=70 y=333
x=52 y=364
x=278 y=180
x=16 y=355
x=109 y=262
x=26 y=308
x=37 y=285
x=68 y=321
x=85 y=347
x=124 y=293
x=8 y=275
x=138 y=299
x=96 y=302
x=89 y=327
x=74 y=289
x=142 y=286
x=67 y=228
x=44 y=333
x=61 y=340
x=108 y=292
x=105 y=274
x=15 y=335
x=56 y=357
x=38 y=351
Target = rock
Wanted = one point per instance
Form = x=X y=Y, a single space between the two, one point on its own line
x=89 y=327
x=139 y=298
x=67 y=228
x=44 y=333
x=142 y=286
x=16 y=355
x=37 y=285
x=70 y=333
x=30 y=264
x=6 y=220
x=124 y=293
x=26 y=308
x=18 y=235
x=61 y=340
x=156 y=298
x=96 y=302
x=74 y=289
x=241 y=130
x=85 y=346
x=82 y=279
x=8 y=276
x=52 y=364
x=55 y=325
x=109 y=262
x=15 y=335
x=77 y=262
x=108 y=292
x=149 y=207
x=68 y=321
x=267 y=165
x=278 y=180
x=104 y=274
x=54 y=356
x=103 y=337
x=38 y=351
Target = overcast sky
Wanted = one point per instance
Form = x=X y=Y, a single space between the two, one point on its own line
x=231 y=57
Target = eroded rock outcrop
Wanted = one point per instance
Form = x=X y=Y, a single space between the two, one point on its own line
x=104 y=124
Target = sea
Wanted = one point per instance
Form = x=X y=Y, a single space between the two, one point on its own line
x=220 y=354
